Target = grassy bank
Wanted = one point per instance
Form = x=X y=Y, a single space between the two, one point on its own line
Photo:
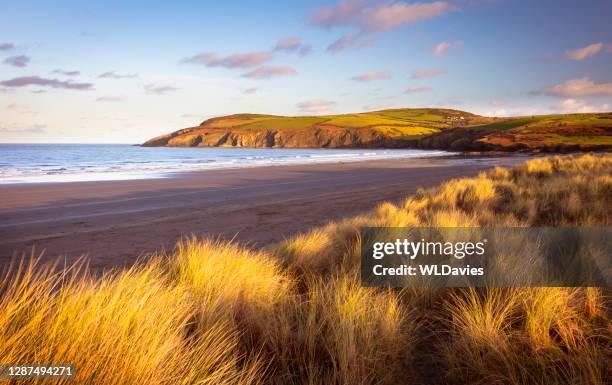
x=217 y=313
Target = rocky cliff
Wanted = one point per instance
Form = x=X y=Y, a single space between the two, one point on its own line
x=319 y=137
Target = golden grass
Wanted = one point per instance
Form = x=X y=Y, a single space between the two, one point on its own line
x=295 y=313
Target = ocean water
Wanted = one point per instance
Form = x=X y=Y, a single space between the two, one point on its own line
x=35 y=163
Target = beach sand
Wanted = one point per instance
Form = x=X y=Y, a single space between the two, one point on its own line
x=113 y=223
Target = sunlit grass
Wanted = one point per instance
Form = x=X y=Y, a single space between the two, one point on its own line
x=212 y=312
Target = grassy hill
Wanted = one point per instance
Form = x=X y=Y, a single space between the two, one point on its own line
x=421 y=128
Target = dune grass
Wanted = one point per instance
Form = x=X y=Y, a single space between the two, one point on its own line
x=213 y=312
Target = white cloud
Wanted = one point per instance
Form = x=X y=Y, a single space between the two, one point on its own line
x=444 y=46
x=578 y=106
x=580 y=87
x=430 y=73
x=417 y=89
x=316 y=106
x=584 y=52
x=369 y=76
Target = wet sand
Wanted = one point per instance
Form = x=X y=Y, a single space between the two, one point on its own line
x=113 y=223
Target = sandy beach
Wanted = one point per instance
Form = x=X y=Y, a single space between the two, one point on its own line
x=113 y=223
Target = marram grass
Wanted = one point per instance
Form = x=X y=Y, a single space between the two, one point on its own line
x=217 y=313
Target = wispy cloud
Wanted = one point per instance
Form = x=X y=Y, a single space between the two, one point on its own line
x=376 y=107
x=371 y=76
x=110 y=99
x=316 y=106
x=580 y=87
x=376 y=17
x=15 y=107
x=343 y=13
x=6 y=46
x=158 y=90
x=293 y=44
x=584 y=52
x=198 y=116
x=33 y=129
x=114 y=75
x=267 y=72
x=444 y=46
x=17 y=61
x=351 y=40
x=66 y=72
x=417 y=89
x=390 y=16
x=430 y=73
x=239 y=60
x=251 y=90
x=569 y=106
x=25 y=81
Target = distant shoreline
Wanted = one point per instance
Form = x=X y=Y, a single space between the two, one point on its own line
x=74 y=162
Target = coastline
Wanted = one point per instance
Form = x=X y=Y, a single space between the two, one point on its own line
x=50 y=163
x=115 y=222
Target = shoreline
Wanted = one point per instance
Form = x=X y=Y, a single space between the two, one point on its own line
x=115 y=222
x=158 y=163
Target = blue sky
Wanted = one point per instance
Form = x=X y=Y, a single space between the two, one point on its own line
x=109 y=71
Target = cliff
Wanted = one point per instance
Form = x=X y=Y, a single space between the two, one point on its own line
x=414 y=128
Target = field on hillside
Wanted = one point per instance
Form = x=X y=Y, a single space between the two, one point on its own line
x=422 y=127
x=551 y=130
x=400 y=123
x=295 y=313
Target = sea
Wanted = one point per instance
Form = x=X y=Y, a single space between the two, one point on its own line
x=40 y=163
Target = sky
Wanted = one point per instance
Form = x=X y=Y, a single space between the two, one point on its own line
x=123 y=72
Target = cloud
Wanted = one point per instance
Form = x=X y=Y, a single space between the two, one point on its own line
x=66 y=72
x=113 y=75
x=33 y=129
x=415 y=89
x=6 y=46
x=315 y=106
x=580 y=87
x=239 y=60
x=420 y=74
x=293 y=44
x=266 y=72
x=570 y=106
x=378 y=17
x=158 y=90
x=376 y=107
x=191 y=116
x=251 y=90
x=350 y=40
x=584 y=52
x=390 y=16
x=110 y=99
x=444 y=46
x=17 y=61
x=19 y=109
x=371 y=76
x=341 y=14
x=574 y=106
x=44 y=82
